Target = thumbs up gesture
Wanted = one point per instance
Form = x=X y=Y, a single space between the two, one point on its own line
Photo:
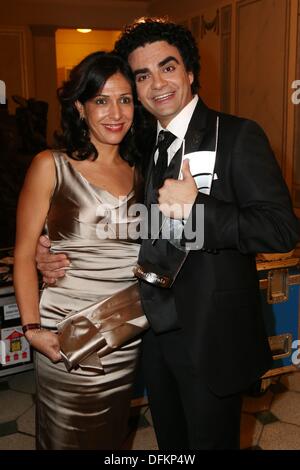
x=176 y=197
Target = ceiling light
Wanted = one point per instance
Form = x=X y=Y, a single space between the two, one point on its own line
x=83 y=30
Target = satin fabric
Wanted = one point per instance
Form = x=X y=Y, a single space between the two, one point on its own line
x=84 y=409
x=88 y=335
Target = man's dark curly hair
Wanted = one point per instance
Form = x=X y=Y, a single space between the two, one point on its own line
x=148 y=30
x=86 y=79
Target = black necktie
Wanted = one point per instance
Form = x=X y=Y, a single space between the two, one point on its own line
x=165 y=139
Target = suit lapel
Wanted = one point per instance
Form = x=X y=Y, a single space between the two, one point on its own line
x=197 y=128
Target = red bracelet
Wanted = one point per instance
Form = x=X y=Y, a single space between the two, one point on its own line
x=31 y=326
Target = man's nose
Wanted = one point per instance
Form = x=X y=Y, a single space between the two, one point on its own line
x=158 y=81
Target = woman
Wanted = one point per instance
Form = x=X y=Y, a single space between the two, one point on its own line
x=76 y=193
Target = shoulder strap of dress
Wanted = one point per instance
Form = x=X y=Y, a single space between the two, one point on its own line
x=61 y=166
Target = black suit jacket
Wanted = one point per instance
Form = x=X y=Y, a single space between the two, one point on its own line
x=215 y=299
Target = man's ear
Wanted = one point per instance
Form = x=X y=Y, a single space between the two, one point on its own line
x=80 y=108
x=191 y=77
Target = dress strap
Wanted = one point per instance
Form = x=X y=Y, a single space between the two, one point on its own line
x=62 y=170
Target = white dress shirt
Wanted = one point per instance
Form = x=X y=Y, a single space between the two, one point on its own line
x=178 y=126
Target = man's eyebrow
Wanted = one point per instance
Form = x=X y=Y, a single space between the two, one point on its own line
x=163 y=62
x=138 y=71
x=168 y=59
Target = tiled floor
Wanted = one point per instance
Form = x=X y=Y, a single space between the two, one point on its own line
x=269 y=422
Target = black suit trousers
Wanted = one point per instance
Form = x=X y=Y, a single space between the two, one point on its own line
x=186 y=414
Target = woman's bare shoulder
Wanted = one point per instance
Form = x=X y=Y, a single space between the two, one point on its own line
x=42 y=167
x=44 y=158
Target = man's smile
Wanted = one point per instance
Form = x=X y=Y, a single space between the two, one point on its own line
x=163 y=97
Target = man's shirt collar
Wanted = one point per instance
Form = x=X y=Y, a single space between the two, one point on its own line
x=180 y=123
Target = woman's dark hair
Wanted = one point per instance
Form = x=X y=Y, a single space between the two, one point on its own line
x=86 y=79
x=149 y=30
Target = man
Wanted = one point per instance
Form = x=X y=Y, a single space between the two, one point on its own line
x=207 y=341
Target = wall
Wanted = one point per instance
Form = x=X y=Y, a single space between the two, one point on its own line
x=96 y=14
x=72 y=47
x=295 y=163
x=177 y=10
x=16 y=63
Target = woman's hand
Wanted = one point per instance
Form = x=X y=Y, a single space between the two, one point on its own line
x=45 y=342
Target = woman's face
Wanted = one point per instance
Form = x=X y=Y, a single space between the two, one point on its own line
x=109 y=114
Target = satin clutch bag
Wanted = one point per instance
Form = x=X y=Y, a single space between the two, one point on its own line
x=89 y=334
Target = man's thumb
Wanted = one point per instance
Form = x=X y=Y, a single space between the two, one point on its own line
x=186 y=172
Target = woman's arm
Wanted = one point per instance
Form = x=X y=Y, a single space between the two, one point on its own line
x=32 y=211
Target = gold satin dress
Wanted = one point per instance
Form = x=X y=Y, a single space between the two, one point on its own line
x=81 y=409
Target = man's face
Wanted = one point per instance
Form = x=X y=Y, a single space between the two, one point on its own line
x=163 y=84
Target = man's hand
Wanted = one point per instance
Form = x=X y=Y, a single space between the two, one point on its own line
x=176 y=197
x=51 y=266
x=46 y=342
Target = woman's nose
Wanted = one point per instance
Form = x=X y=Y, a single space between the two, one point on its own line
x=115 y=111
